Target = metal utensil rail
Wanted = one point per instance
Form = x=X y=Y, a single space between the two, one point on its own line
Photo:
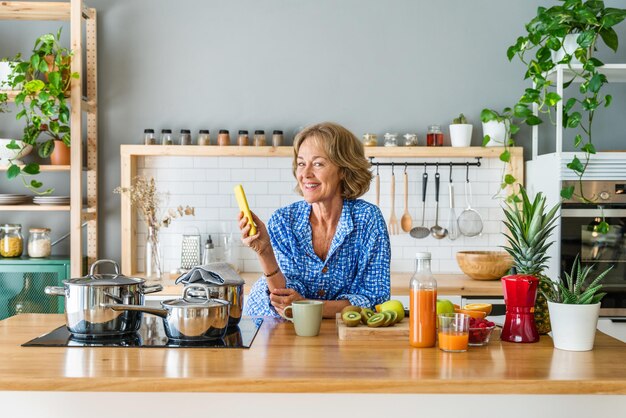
x=425 y=164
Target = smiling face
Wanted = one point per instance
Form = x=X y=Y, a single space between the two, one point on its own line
x=318 y=178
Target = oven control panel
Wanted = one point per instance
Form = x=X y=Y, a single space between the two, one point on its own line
x=602 y=191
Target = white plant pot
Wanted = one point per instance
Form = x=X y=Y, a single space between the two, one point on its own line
x=496 y=131
x=461 y=134
x=569 y=47
x=573 y=326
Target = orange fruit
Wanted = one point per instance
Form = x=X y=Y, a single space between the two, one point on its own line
x=484 y=307
x=378 y=308
x=472 y=314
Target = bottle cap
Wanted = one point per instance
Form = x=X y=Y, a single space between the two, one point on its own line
x=185 y=131
x=204 y=131
x=166 y=131
x=148 y=131
x=278 y=132
x=422 y=256
x=259 y=132
x=223 y=131
x=243 y=132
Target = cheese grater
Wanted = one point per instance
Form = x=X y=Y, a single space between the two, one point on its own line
x=190 y=254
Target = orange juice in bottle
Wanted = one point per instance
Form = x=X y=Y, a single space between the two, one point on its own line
x=422 y=304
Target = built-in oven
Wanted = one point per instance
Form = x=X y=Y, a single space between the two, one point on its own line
x=580 y=237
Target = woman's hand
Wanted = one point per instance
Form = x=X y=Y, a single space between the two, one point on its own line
x=260 y=242
x=281 y=298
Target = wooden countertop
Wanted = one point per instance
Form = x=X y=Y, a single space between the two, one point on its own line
x=279 y=361
x=447 y=284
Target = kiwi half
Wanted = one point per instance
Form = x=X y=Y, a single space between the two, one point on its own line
x=377 y=320
x=351 y=318
x=350 y=308
x=366 y=313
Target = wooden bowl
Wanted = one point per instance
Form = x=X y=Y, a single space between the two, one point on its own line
x=484 y=265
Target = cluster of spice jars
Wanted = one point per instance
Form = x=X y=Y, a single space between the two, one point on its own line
x=259 y=138
x=434 y=138
x=12 y=241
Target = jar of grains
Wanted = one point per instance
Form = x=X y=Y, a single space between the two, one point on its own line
x=39 y=242
x=11 y=241
x=259 y=138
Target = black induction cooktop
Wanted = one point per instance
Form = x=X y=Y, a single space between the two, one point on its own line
x=151 y=334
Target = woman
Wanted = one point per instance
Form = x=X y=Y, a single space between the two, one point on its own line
x=331 y=246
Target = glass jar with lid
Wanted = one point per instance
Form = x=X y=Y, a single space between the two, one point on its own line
x=11 y=241
x=204 y=137
x=434 y=137
x=148 y=137
x=185 y=137
x=243 y=139
x=410 y=140
x=259 y=138
x=166 y=137
x=391 y=140
x=277 y=138
x=370 y=140
x=223 y=138
x=39 y=242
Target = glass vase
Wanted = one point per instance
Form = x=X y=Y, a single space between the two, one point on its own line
x=153 y=268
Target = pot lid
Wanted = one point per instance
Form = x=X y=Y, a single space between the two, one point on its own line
x=190 y=303
x=104 y=279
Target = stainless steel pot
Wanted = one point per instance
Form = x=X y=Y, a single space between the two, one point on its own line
x=189 y=318
x=231 y=291
x=84 y=315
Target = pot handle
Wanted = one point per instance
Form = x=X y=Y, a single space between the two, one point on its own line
x=191 y=287
x=54 y=290
x=92 y=269
x=139 y=308
x=152 y=289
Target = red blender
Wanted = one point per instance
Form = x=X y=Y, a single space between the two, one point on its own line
x=520 y=291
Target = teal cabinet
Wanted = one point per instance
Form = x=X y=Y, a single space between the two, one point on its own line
x=22 y=283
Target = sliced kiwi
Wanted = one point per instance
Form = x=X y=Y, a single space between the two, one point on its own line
x=350 y=308
x=376 y=320
x=388 y=318
x=366 y=313
x=394 y=317
x=351 y=318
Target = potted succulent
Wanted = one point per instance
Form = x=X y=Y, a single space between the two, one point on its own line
x=42 y=102
x=460 y=132
x=529 y=227
x=574 y=307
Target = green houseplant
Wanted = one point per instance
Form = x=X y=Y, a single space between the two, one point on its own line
x=590 y=21
x=574 y=307
x=529 y=227
x=42 y=101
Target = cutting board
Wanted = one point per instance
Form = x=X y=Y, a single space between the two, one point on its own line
x=398 y=332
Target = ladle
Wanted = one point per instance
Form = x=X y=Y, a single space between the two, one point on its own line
x=406 y=222
x=421 y=231
x=437 y=231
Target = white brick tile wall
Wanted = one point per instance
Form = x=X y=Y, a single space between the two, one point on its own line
x=207 y=184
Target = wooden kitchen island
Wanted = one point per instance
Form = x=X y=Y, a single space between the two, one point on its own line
x=281 y=363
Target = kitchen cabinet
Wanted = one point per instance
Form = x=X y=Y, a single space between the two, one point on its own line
x=131 y=155
x=22 y=283
x=83 y=166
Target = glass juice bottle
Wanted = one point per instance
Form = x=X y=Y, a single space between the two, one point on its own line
x=422 y=304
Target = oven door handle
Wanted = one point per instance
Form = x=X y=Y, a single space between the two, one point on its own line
x=593 y=213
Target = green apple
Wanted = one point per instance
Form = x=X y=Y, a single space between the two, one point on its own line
x=444 y=306
x=394 y=305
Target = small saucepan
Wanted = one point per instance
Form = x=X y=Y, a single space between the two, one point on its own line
x=188 y=318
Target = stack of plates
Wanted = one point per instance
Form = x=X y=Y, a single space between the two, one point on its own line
x=13 y=199
x=52 y=200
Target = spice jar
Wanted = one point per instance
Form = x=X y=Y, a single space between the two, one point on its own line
x=242 y=139
x=391 y=140
x=11 y=242
x=39 y=242
x=410 y=140
x=148 y=137
x=185 y=137
x=166 y=137
x=434 y=137
x=277 y=138
x=259 y=138
x=203 y=137
x=370 y=140
x=223 y=138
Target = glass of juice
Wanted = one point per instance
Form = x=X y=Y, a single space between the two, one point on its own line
x=453 y=332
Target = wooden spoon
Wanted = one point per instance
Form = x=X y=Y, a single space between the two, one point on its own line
x=406 y=221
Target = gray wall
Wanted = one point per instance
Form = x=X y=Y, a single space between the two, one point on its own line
x=373 y=66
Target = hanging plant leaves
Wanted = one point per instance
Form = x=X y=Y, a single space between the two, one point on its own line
x=13 y=171
x=576 y=165
x=31 y=169
x=46 y=148
x=567 y=192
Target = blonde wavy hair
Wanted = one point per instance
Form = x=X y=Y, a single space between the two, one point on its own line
x=344 y=150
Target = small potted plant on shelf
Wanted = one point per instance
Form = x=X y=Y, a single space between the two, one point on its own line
x=574 y=307
x=460 y=132
x=42 y=103
x=529 y=227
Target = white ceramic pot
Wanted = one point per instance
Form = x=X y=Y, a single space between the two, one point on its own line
x=461 y=134
x=573 y=326
x=496 y=131
x=7 y=154
x=569 y=47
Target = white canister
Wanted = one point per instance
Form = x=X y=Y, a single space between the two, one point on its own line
x=573 y=326
x=496 y=131
x=461 y=134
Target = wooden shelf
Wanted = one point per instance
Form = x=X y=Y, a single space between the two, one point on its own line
x=287 y=151
x=47 y=168
x=34 y=10
x=34 y=208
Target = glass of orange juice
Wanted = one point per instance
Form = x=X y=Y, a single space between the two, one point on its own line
x=453 y=332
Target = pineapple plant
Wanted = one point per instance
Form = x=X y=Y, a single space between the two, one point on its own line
x=529 y=229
